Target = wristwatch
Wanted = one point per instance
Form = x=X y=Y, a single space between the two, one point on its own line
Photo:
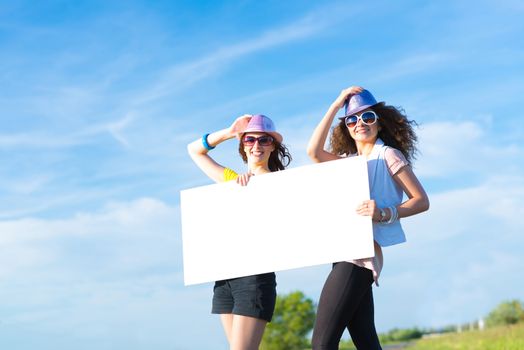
x=382 y=215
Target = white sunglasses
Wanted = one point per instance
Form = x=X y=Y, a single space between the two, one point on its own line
x=367 y=117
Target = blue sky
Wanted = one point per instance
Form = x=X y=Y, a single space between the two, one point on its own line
x=99 y=99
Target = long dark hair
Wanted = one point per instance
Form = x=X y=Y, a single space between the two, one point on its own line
x=396 y=130
x=279 y=159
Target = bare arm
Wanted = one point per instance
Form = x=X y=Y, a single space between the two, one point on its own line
x=200 y=155
x=418 y=200
x=315 y=148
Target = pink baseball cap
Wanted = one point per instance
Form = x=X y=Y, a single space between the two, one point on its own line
x=261 y=123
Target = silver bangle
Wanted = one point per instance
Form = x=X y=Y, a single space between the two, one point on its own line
x=394 y=215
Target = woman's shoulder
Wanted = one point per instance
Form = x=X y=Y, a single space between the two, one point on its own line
x=394 y=159
x=390 y=152
x=230 y=174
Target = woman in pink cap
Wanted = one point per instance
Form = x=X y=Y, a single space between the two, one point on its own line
x=245 y=304
x=385 y=136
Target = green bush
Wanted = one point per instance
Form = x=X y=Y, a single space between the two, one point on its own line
x=506 y=313
x=398 y=335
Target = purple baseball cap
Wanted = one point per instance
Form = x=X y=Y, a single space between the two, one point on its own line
x=359 y=102
x=261 y=123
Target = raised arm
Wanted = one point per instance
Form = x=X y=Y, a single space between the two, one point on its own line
x=199 y=153
x=315 y=147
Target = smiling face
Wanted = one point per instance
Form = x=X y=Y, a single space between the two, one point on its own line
x=257 y=153
x=364 y=133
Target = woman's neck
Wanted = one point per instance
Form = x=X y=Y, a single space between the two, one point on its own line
x=258 y=169
x=365 y=148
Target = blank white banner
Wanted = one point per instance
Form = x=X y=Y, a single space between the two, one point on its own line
x=289 y=219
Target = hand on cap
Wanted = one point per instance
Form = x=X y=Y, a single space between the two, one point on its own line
x=239 y=125
x=345 y=94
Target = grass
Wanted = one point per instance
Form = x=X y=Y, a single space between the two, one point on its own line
x=498 y=338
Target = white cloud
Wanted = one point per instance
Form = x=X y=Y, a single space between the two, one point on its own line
x=25 y=186
x=124 y=235
x=412 y=65
x=497 y=200
x=451 y=148
x=60 y=139
x=182 y=75
x=113 y=275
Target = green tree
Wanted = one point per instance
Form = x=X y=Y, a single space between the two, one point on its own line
x=508 y=312
x=292 y=321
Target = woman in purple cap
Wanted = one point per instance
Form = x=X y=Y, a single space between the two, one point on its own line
x=386 y=137
x=245 y=304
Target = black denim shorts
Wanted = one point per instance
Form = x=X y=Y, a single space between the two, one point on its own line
x=253 y=296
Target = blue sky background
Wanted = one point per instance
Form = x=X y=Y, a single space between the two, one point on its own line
x=99 y=99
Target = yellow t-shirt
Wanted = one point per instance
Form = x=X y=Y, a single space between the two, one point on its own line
x=229 y=174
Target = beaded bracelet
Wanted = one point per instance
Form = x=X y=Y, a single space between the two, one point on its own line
x=205 y=144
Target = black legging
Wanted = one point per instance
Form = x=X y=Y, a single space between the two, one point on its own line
x=346 y=302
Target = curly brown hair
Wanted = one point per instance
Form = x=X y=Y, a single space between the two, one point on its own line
x=279 y=159
x=394 y=129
